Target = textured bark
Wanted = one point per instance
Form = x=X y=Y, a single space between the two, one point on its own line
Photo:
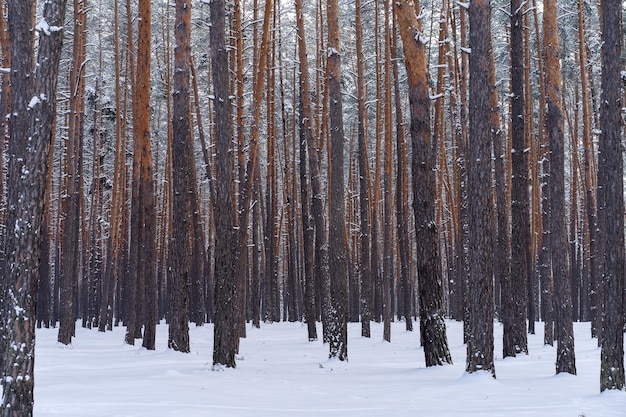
x=520 y=212
x=30 y=138
x=117 y=199
x=224 y=346
x=338 y=329
x=534 y=180
x=480 y=206
x=565 y=361
x=590 y=174
x=306 y=138
x=71 y=249
x=610 y=178
x=180 y=244
x=405 y=294
x=364 y=180
x=432 y=325
x=143 y=242
x=387 y=192
x=502 y=247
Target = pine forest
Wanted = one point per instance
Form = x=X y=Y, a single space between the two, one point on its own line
x=246 y=162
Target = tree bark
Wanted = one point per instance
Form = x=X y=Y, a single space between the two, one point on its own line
x=480 y=206
x=338 y=330
x=432 y=325
x=558 y=232
x=520 y=212
x=611 y=180
x=306 y=141
x=224 y=347
x=180 y=244
x=33 y=112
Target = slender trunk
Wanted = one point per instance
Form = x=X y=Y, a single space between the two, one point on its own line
x=338 y=331
x=558 y=234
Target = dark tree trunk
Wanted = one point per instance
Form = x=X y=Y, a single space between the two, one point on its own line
x=364 y=182
x=611 y=179
x=71 y=238
x=306 y=141
x=225 y=334
x=180 y=243
x=30 y=138
x=432 y=325
x=338 y=330
x=480 y=206
x=520 y=211
x=565 y=361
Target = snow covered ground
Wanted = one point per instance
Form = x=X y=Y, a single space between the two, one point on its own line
x=280 y=373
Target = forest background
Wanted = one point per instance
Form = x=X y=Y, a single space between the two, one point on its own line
x=338 y=161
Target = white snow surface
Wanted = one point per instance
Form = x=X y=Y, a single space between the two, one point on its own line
x=280 y=373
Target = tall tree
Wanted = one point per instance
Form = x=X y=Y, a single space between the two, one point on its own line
x=480 y=206
x=306 y=144
x=364 y=180
x=71 y=249
x=180 y=256
x=611 y=179
x=30 y=138
x=565 y=361
x=520 y=212
x=338 y=331
x=224 y=347
x=432 y=325
x=143 y=308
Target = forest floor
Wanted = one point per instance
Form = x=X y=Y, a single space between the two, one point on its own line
x=280 y=373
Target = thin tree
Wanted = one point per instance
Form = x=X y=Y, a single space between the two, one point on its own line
x=480 y=206
x=71 y=249
x=565 y=361
x=432 y=325
x=364 y=180
x=31 y=134
x=338 y=329
x=611 y=179
x=520 y=212
x=306 y=138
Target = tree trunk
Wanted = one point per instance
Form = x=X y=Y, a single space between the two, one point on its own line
x=364 y=181
x=224 y=347
x=611 y=179
x=306 y=170
x=70 y=259
x=32 y=116
x=520 y=212
x=558 y=232
x=180 y=245
x=432 y=325
x=338 y=330
x=480 y=206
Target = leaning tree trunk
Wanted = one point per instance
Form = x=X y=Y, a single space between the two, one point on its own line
x=432 y=325
x=306 y=138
